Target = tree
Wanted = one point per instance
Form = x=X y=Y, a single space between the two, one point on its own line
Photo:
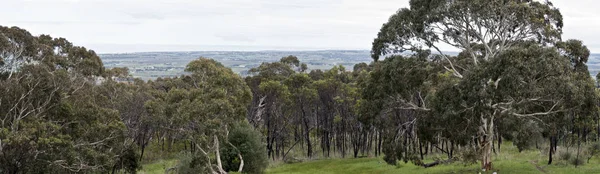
x=54 y=120
x=483 y=31
x=269 y=98
x=481 y=28
x=302 y=95
x=200 y=108
x=395 y=98
x=533 y=83
x=245 y=145
x=17 y=47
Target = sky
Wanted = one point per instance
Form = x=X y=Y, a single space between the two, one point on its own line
x=117 y=26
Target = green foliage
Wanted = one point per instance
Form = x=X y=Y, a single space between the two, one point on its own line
x=469 y=156
x=593 y=150
x=527 y=135
x=190 y=164
x=129 y=160
x=565 y=155
x=247 y=142
x=412 y=29
x=55 y=118
x=577 y=161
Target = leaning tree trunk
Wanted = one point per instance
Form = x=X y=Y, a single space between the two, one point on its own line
x=486 y=134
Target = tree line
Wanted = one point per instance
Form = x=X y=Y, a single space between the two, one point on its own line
x=63 y=112
x=513 y=79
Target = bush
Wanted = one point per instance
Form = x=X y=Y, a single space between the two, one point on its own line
x=577 y=161
x=593 y=150
x=190 y=163
x=527 y=135
x=391 y=152
x=129 y=160
x=469 y=156
x=565 y=155
x=248 y=142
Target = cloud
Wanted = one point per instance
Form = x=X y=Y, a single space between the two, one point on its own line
x=145 y=15
x=75 y=22
x=235 y=37
x=350 y=24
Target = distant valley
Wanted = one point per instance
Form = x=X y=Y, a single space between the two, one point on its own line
x=151 y=65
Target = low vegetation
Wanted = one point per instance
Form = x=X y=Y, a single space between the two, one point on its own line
x=510 y=160
x=413 y=109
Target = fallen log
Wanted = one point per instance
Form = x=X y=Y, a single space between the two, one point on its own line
x=438 y=162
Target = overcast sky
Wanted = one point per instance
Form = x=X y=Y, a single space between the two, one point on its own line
x=187 y=25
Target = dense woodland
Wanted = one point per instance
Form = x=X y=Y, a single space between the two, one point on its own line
x=514 y=80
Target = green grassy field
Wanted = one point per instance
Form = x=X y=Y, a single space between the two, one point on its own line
x=157 y=167
x=376 y=165
x=508 y=161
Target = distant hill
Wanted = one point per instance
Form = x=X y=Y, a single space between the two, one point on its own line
x=151 y=65
x=594 y=64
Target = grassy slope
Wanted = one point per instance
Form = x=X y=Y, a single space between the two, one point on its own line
x=157 y=167
x=509 y=161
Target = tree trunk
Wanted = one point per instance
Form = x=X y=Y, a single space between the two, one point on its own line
x=241 y=163
x=421 y=149
x=578 y=150
x=170 y=143
x=218 y=155
x=551 y=150
x=163 y=143
x=499 y=141
x=379 y=144
x=142 y=154
x=487 y=137
x=307 y=138
x=451 y=150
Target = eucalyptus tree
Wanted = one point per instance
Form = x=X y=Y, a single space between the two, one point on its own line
x=302 y=95
x=18 y=47
x=394 y=99
x=54 y=119
x=583 y=102
x=201 y=108
x=270 y=97
x=337 y=124
x=218 y=99
x=483 y=31
x=130 y=100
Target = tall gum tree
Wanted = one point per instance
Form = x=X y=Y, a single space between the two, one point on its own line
x=481 y=29
x=53 y=118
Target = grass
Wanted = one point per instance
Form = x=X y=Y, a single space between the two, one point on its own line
x=157 y=167
x=508 y=161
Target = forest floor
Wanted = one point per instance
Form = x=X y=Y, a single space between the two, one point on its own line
x=508 y=161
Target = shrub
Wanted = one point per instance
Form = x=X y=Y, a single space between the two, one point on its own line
x=129 y=160
x=577 y=161
x=565 y=155
x=248 y=142
x=190 y=163
x=593 y=150
x=526 y=135
x=469 y=156
x=391 y=152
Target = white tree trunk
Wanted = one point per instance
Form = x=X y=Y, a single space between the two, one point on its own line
x=486 y=133
x=219 y=165
x=241 y=163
